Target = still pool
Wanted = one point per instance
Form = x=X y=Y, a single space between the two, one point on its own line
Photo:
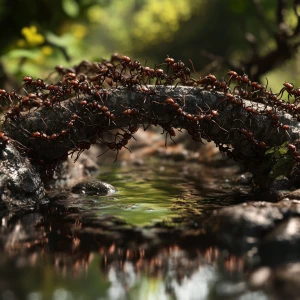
x=143 y=242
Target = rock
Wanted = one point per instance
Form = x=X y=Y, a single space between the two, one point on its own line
x=286 y=281
x=293 y=195
x=70 y=173
x=260 y=277
x=239 y=226
x=242 y=226
x=282 y=244
x=282 y=282
x=276 y=189
x=245 y=179
x=93 y=187
x=20 y=183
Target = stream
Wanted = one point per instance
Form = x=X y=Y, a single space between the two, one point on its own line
x=145 y=241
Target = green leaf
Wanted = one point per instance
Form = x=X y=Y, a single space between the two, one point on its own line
x=63 y=41
x=24 y=53
x=271 y=150
x=282 y=167
x=71 y=8
x=283 y=150
x=277 y=151
x=280 y=177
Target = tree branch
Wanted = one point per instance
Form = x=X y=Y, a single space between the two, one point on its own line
x=224 y=128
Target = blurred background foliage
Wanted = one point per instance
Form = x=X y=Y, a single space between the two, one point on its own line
x=216 y=35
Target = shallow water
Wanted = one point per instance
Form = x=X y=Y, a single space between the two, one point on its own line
x=143 y=242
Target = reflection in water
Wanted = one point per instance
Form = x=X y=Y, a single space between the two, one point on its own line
x=87 y=248
x=75 y=261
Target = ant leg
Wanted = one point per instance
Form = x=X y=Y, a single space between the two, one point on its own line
x=127 y=149
x=116 y=155
x=103 y=152
x=172 y=139
x=166 y=140
x=78 y=154
x=220 y=126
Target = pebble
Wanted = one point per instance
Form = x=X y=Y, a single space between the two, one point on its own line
x=93 y=187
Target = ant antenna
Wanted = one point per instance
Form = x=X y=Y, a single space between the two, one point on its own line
x=194 y=69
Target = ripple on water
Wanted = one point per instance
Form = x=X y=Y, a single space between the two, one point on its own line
x=100 y=247
x=150 y=194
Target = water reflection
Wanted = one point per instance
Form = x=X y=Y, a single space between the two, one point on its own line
x=81 y=247
x=73 y=260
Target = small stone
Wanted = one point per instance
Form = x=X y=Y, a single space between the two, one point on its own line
x=259 y=277
x=293 y=195
x=138 y=162
x=93 y=187
x=245 y=179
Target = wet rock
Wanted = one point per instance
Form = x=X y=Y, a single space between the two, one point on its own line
x=276 y=189
x=260 y=277
x=273 y=228
x=286 y=281
x=282 y=282
x=93 y=187
x=245 y=179
x=70 y=173
x=20 y=183
x=282 y=244
x=239 y=226
x=293 y=195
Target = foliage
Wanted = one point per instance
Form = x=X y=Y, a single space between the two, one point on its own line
x=215 y=32
x=283 y=161
x=215 y=35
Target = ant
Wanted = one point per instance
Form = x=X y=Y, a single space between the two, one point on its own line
x=116 y=147
x=6 y=140
x=170 y=131
x=80 y=147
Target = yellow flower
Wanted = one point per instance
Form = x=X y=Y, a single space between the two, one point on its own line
x=79 y=31
x=47 y=50
x=33 y=38
x=96 y=14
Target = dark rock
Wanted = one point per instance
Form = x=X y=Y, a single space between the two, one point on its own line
x=276 y=189
x=293 y=195
x=20 y=183
x=271 y=229
x=245 y=179
x=282 y=282
x=241 y=226
x=93 y=187
x=282 y=244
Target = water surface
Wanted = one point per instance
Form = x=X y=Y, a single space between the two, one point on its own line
x=143 y=242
